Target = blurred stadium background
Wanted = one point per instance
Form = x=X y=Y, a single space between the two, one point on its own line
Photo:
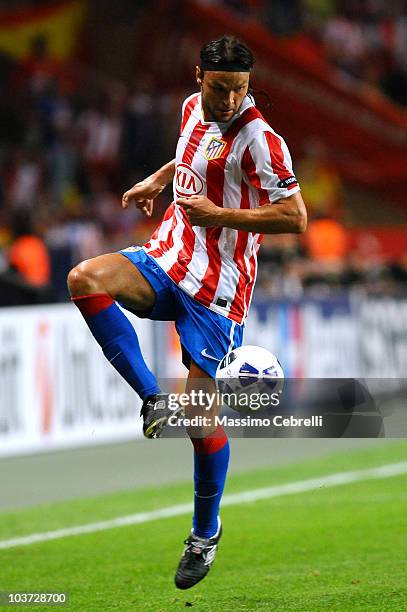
x=90 y=103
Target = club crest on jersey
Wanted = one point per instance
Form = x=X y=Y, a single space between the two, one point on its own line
x=187 y=181
x=215 y=148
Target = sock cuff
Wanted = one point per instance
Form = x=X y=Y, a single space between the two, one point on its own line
x=212 y=443
x=215 y=535
x=92 y=304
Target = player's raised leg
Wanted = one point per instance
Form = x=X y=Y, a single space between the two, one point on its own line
x=211 y=459
x=95 y=285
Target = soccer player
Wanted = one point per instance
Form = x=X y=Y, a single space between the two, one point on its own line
x=233 y=182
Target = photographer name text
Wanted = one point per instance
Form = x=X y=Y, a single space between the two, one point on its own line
x=246 y=421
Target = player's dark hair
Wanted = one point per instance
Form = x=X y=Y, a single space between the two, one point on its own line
x=232 y=54
x=227 y=49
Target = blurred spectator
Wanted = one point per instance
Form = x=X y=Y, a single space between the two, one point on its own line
x=24 y=178
x=321 y=184
x=62 y=160
x=28 y=255
x=345 y=44
x=25 y=265
x=40 y=67
x=326 y=241
x=100 y=130
x=140 y=125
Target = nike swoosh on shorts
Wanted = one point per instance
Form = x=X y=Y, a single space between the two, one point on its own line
x=205 y=354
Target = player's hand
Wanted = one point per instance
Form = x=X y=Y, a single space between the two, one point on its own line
x=142 y=194
x=200 y=210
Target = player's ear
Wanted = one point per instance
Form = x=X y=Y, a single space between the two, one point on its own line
x=198 y=75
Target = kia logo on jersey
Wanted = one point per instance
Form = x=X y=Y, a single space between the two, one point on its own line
x=187 y=181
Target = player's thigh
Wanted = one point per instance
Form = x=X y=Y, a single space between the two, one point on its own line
x=116 y=275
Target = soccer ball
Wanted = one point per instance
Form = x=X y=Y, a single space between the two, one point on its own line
x=245 y=373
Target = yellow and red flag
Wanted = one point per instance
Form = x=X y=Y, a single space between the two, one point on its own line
x=58 y=22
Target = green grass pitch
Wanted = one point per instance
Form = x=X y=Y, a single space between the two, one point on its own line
x=341 y=548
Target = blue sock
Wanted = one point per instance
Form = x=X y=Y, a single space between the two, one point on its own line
x=211 y=459
x=118 y=339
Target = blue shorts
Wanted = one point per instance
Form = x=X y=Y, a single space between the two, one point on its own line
x=205 y=336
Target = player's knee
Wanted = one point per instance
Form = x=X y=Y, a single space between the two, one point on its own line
x=85 y=279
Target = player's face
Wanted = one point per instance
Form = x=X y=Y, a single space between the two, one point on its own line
x=222 y=93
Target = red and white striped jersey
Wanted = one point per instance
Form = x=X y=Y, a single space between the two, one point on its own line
x=239 y=164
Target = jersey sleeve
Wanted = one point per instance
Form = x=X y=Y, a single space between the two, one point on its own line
x=267 y=166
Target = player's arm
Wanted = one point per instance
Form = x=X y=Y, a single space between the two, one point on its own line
x=144 y=192
x=286 y=216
